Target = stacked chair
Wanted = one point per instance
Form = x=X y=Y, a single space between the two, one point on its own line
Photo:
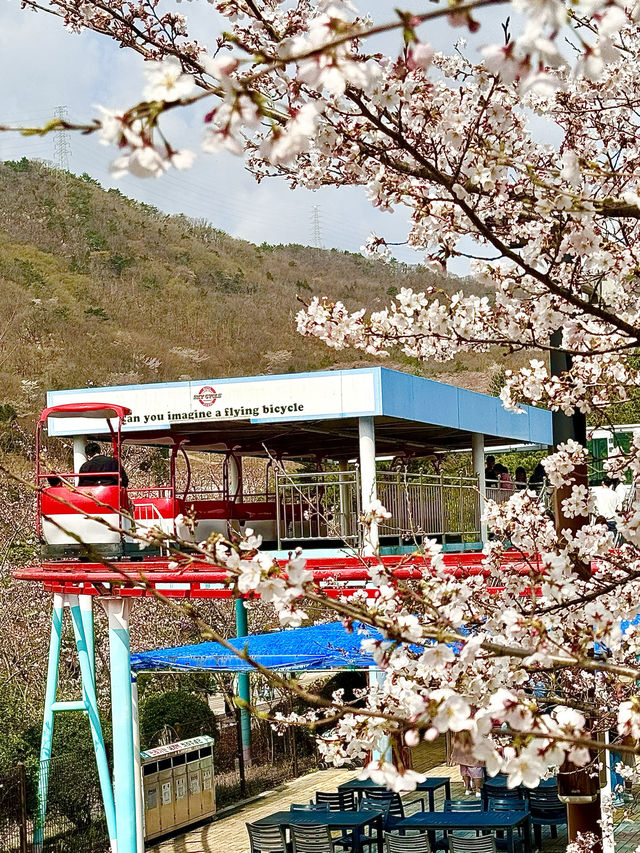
x=501 y=792
x=337 y=800
x=407 y=843
x=266 y=839
x=367 y=840
x=463 y=844
x=312 y=839
x=546 y=810
x=509 y=800
x=392 y=802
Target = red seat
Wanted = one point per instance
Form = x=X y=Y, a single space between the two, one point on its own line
x=90 y=500
x=255 y=511
x=208 y=509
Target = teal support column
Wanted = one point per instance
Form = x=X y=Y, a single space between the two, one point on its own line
x=135 y=719
x=244 y=686
x=86 y=612
x=82 y=618
x=47 y=723
x=124 y=771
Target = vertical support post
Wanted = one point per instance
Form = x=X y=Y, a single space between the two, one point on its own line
x=244 y=685
x=241 y=770
x=124 y=773
x=47 y=722
x=383 y=753
x=606 y=807
x=22 y=784
x=138 y=765
x=86 y=613
x=235 y=478
x=279 y=519
x=367 y=452
x=87 y=672
x=294 y=745
x=79 y=457
x=477 y=454
x=345 y=500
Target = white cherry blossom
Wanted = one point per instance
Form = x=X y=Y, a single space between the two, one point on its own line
x=166 y=81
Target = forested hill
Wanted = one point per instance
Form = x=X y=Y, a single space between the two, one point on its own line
x=96 y=288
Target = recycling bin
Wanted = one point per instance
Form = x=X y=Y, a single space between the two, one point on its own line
x=165 y=784
x=151 y=794
x=206 y=780
x=181 y=800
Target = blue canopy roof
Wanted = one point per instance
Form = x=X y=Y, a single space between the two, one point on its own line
x=403 y=405
x=319 y=647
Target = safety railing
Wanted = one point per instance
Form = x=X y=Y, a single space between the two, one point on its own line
x=213 y=494
x=499 y=494
x=318 y=506
x=321 y=505
x=429 y=505
x=258 y=497
x=326 y=505
x=147 y=512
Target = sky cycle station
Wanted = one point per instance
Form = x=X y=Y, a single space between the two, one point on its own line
x=337 y=422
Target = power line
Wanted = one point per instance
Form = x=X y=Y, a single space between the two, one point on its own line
x=178 y=190
x=315 y=227
x=61 y=145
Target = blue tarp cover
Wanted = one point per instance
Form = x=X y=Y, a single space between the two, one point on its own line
x=320 y=647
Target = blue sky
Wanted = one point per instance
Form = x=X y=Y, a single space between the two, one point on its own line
x=43 y=66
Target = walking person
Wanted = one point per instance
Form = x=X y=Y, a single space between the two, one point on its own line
x=471 y=769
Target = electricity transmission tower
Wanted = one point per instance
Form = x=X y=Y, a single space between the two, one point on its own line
x=61 y=145
x=315 y=227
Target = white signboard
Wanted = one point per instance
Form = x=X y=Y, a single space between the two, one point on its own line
x=178 y=746
x=258 y=399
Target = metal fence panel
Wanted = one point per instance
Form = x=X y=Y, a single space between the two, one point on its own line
x=326 y=505
x=75 y=815
x=318 y=505
x=13 y=811
x=429 y=504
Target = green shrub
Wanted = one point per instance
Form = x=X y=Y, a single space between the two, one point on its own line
x=100 y=313
x=180 y=712
x=119 y=263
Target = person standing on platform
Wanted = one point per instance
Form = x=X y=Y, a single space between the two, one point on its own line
x=505 y=483
x=520 y=479
x=538 y=477
x=104 y=467
x=606 y=502
x=490 y=475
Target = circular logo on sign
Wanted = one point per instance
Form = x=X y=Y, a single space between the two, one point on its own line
x=207 y=395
